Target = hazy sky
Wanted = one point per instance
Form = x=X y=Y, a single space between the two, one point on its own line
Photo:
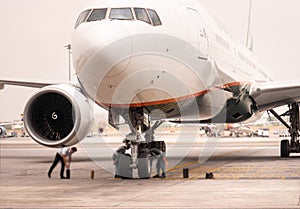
x=34 y=33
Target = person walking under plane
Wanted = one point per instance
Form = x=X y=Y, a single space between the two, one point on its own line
x=64 y=156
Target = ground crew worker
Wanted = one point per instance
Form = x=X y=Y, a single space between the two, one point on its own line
x=161 y=162
x=64 y=155
x=116 y=156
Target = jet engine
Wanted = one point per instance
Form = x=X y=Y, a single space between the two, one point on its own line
x=58 y=115
x=2 y=131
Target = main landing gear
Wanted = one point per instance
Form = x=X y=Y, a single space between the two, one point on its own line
x=139 y=148
x=293 y=145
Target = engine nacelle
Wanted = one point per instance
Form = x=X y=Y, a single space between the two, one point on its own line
x=58 y=115
x=2 y=131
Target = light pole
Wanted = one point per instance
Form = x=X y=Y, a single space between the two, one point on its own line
x=249 y=25
x=69 y=48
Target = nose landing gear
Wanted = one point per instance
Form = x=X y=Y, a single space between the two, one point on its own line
x=139 y=158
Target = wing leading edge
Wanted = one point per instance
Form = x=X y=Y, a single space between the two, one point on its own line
x=30 y=84
x=275 y=94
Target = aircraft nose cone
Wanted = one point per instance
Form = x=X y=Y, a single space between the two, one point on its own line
x=100 y=50
x=100 y=43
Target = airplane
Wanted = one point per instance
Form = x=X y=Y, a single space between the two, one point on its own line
x=151 y=61
x=241 y=131
x=2 y=131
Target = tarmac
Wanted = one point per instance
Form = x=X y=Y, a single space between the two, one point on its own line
x=248 y=173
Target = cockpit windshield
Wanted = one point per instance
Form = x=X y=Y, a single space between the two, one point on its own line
x=154 y=16
x=149 y=16
x=82 y=17
x=121 y=14
x=141 y=14
x=97 y=14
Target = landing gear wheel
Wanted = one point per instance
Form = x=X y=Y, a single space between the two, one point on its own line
x=144 y=167
x=285 y=149
x=124 y=166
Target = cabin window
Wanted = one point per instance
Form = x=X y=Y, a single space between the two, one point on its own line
x=82 y=17
x=154 y=17
x=121 y=14
x=97 y=14
x=141 y=14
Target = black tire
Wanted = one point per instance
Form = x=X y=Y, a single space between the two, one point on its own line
x=285 y=149
x=125 y=171
x=144 y=167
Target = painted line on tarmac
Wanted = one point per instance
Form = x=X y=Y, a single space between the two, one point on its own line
x=182 y=166
x=213 y=169
x=213 y=158
x=228 y=153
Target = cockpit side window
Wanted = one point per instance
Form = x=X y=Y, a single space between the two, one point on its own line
x=97 y=14
x=121 y=14
x=141 y=14
x=82 y=17
x=154 y=17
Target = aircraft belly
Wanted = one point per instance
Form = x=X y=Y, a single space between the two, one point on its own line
x=166 y=86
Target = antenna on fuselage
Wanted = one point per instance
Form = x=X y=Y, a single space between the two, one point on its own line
x=249 y=40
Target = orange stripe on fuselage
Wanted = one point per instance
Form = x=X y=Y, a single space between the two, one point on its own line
x=173 y=100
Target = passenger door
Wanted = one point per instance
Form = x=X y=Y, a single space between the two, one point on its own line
x=201 y=32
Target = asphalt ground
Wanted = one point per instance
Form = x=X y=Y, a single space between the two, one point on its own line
x=248 y=173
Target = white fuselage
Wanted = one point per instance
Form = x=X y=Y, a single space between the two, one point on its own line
x=184 y=64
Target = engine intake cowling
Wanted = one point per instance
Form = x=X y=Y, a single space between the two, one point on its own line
x=58 y=115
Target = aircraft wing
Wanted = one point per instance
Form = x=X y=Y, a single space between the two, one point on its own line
x=31 y=84
x=274 y=94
